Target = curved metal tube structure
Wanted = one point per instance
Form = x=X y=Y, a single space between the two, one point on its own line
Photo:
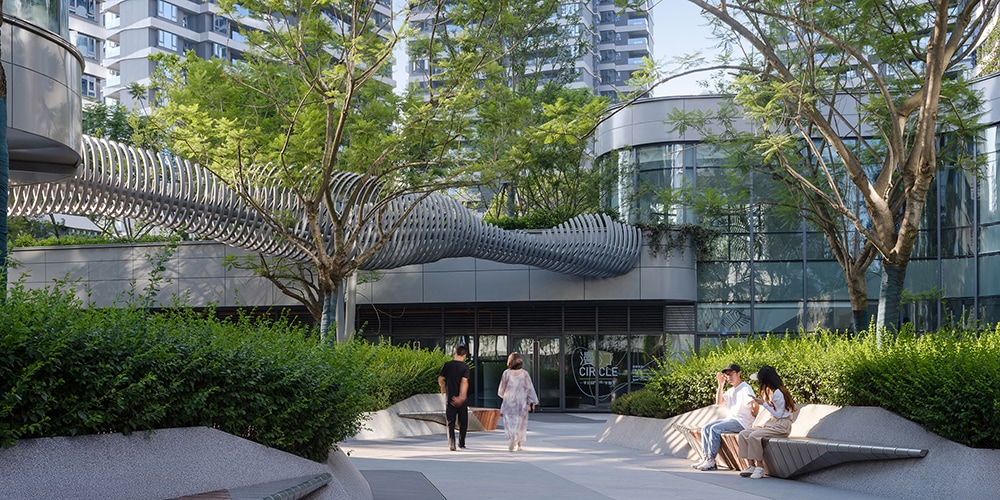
x=123 y=181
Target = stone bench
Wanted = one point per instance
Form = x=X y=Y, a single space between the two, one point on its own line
x=792 y=456
x=481 y=419
x=284 y=489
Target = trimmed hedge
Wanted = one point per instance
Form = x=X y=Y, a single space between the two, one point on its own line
x=66 y=370
x=945 y=381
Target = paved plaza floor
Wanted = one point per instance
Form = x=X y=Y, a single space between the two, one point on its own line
x=561 y=460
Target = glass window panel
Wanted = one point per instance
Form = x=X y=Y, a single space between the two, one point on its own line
x=45 y=13
x=989 y=184
x=680 y=344
x=644 y=356
x=778 y=246
x=86 y=45
x=989 y=238
x=989 y=310
x=958 y=242
x=729 y=318
x=723 y=282
x=166 y=10
x=89 y=87
x=989 y=269
x=925 y=244
x=611 y=370
x=817 y=247
x=930 y=218
x=778 y=281
x=491 y=362
x=961 y=277
x=581 y=362
x=921 y=276
x=654 y=157
x=709 y=156
x=922 y=314
x=957 y=201
x=825 y=281
x=167 y=40
x=779 y=318
x=829 y=315
x=220 y=24
x=729 y=246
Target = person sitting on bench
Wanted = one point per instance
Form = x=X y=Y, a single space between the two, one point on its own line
x=739 y=414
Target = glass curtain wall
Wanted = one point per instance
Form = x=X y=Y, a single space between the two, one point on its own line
x=987 y=298
x=771 y=272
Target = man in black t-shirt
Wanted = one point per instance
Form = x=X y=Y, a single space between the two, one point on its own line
x=454 y=381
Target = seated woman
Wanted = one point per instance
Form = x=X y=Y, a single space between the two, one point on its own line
x=774 y=397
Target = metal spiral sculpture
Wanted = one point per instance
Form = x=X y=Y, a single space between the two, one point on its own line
x=117 y=180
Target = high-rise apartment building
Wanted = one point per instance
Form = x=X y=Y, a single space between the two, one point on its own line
x=608 y=44
x=117 y=37
x=622 y=40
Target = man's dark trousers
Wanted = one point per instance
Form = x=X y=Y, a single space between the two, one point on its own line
x=462 y=413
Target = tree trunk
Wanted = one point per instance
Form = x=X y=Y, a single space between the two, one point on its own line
x=857 y=289
x=889 y=297
x=338 y=312
x=860 y=319
x=329 y=321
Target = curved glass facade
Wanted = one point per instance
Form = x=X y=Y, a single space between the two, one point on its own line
x=52 y=15
x=771 y=272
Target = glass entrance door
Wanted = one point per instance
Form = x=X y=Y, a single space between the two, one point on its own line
x=543 y=360
x=598 y=370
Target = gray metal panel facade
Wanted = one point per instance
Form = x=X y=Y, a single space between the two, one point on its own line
x=196 y=272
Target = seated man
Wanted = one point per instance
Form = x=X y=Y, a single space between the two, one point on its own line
x=739 y=414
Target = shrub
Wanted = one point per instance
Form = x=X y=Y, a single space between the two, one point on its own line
x=944 y=381
x=641 y=403
x=66 y=370
x=400 y=372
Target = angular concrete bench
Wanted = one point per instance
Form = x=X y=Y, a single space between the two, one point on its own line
x=790 y=457
x=481 y=419
x=794 y=456
x=284 y=489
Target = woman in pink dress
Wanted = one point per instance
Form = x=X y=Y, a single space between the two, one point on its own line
x=519 y=398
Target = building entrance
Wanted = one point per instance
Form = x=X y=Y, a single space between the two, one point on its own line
x=584 y=371
x=543 y=360
x=581 y=357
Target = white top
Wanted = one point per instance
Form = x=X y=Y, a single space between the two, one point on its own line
x=777 y=406
x=738 y=404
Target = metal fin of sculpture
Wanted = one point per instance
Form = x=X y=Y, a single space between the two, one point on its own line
x=117 y=180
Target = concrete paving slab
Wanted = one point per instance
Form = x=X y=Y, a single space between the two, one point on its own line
x=564 y=460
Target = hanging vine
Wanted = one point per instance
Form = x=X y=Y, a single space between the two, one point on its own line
x=667 y=238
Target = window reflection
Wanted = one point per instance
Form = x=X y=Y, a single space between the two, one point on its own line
x=52 y=15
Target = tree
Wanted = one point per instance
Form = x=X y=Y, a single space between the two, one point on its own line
x=988 y=57
x=311 y=99
x=849 y=100
x=532 y=137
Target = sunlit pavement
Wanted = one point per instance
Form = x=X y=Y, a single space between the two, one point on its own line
x=561 y=460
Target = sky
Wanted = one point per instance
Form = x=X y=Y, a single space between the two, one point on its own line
x=679 y=29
